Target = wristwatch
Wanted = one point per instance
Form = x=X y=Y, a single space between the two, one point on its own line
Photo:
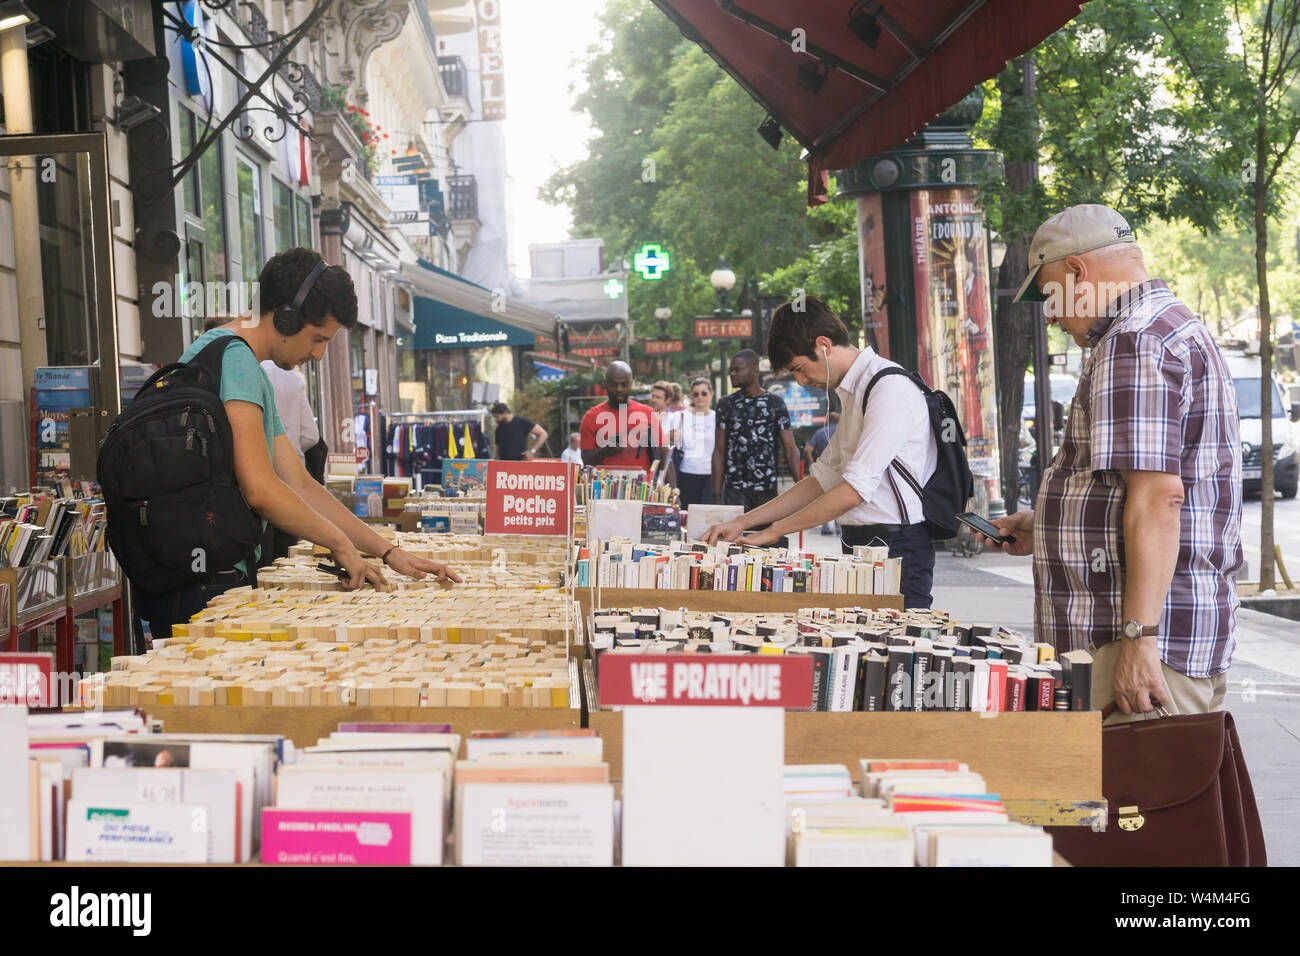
x=1134 y=631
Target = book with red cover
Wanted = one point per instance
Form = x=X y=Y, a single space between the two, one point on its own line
x=1041 y=689
x=997 y=685
x=1016 y=690
x=695 y=577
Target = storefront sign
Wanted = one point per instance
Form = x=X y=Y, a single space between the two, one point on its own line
x=724 y=328
x=662 y=346
x=719 y=680
x=491 y=62
x=604 y=351
x=439 y=325
x=529 y=497
x=26 y=679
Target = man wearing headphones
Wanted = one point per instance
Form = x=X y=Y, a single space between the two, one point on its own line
x=302 y=304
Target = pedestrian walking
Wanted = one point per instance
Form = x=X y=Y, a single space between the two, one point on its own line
x=697 y=428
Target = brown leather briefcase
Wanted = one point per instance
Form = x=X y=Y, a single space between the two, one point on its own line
x=1178 y=794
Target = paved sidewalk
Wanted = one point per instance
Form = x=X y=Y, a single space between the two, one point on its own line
x=1263 y=684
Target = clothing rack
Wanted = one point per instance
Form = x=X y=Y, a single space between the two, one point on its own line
x=456 y=416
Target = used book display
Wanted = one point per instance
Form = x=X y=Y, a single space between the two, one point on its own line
x=415 y=669
x=460 y=614
x=105 y=788
x=619 y=563
x=38 y=527
x=500 y=549
x=870 y=659
x=913 y=812
x=303 y=573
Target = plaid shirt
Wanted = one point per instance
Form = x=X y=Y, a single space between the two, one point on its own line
x=1155 y=395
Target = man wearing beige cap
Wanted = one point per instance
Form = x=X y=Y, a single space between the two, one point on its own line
x=1136 y=531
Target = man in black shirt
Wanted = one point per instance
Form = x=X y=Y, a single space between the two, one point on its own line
x=513 y=434
x=750 y=423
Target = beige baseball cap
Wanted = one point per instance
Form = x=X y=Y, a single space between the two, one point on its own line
x=1072 y=232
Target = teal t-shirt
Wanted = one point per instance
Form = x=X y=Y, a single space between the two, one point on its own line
x=242 y=379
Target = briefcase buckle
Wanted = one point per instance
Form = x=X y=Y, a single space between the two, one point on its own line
x=1130 y=819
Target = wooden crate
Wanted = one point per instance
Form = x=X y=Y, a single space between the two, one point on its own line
x=305 y=725
x=1026 y=755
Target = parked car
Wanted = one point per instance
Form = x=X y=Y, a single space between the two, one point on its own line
x=1245 y=370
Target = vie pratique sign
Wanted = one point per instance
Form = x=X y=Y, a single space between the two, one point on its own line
x=720 y=680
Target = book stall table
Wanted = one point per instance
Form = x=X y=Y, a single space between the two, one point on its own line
x=38 y=596
x=95 y=581
x=1046 y=766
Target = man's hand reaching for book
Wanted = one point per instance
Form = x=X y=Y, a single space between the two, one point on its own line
x=413 y=567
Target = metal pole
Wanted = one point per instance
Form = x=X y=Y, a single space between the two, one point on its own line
x=1044 y=417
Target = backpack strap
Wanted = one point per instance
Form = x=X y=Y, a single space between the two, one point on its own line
x=897 y=465
x=211 y=357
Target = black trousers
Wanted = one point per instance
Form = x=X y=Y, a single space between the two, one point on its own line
x=749 y=499
x=913 y=545
x=695 y=489
x=177 y=606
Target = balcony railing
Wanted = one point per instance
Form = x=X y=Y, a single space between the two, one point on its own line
x=453 y=73
x=462 y=197
x=255 y=24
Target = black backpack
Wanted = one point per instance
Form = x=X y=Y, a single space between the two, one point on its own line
x=950 y=487
x=176 y=515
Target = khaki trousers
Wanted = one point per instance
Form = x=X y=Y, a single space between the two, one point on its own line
x=1183 y=694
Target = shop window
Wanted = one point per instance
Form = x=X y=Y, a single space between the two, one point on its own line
x=249 y=178
x=204 y=212
x=282 y=215
x=302 y=208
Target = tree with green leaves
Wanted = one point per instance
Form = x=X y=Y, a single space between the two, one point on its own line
x=675 y=159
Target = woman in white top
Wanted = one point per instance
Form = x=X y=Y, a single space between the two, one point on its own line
x=697 y=424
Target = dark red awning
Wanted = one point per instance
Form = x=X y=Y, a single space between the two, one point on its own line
x=930 y=54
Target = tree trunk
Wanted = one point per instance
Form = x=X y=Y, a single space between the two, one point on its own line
x=1218 y=308
x=1014 y=323
x=1265 y=363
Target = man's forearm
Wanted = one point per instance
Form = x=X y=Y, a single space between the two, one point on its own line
x=1151 y=543
x=284 y=507
x=825 y=508
x=795 y=499
x=364 y=537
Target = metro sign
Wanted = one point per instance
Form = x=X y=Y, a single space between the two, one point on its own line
x=724 y=328
x=662 y=346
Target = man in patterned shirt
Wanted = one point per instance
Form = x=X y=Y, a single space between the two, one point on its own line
x=1136 y=532
x=751 y=420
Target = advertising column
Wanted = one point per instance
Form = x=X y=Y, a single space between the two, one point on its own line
x=954 y=327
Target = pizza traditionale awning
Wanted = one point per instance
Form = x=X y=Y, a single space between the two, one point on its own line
x=848 y=92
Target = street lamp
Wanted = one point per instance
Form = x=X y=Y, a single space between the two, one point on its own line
x=663 y=314
x=723 y=281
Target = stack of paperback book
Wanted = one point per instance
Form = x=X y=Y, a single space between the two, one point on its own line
x=912 y=812
x=618 y=563
x=374 y=672
x=871 y=659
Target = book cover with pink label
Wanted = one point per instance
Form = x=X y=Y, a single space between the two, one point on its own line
x=336 y=837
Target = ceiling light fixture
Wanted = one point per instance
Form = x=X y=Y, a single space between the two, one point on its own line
x=770 y=130
x=864 y=25
x=812 y=76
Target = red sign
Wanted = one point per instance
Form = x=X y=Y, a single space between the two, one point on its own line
x=724 y=328
x=604 y=351
x=662 y=346
x=718 y=680
x=26 y=679
x=529 y=497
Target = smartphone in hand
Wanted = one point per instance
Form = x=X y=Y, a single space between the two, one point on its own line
x=985 y=527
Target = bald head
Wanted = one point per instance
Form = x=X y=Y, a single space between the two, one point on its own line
x=618 y=383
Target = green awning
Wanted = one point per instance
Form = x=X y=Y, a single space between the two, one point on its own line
x=442 y=326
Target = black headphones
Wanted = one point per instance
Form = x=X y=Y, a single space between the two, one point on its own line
x=289 y=319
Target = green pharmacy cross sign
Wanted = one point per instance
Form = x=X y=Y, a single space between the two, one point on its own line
x=651 y=262
x=613 y=288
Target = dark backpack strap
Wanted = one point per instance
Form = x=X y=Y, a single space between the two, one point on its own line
x=893 y=370
x=211 y=357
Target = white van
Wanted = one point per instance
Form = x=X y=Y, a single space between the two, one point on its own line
x=1245 y=371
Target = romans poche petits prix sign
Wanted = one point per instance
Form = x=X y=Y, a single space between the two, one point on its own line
x=722 y=680
x=529 y=497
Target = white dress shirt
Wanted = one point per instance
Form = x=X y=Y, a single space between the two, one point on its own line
x=295 y=411
x=897 y=425
x=571 y=456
